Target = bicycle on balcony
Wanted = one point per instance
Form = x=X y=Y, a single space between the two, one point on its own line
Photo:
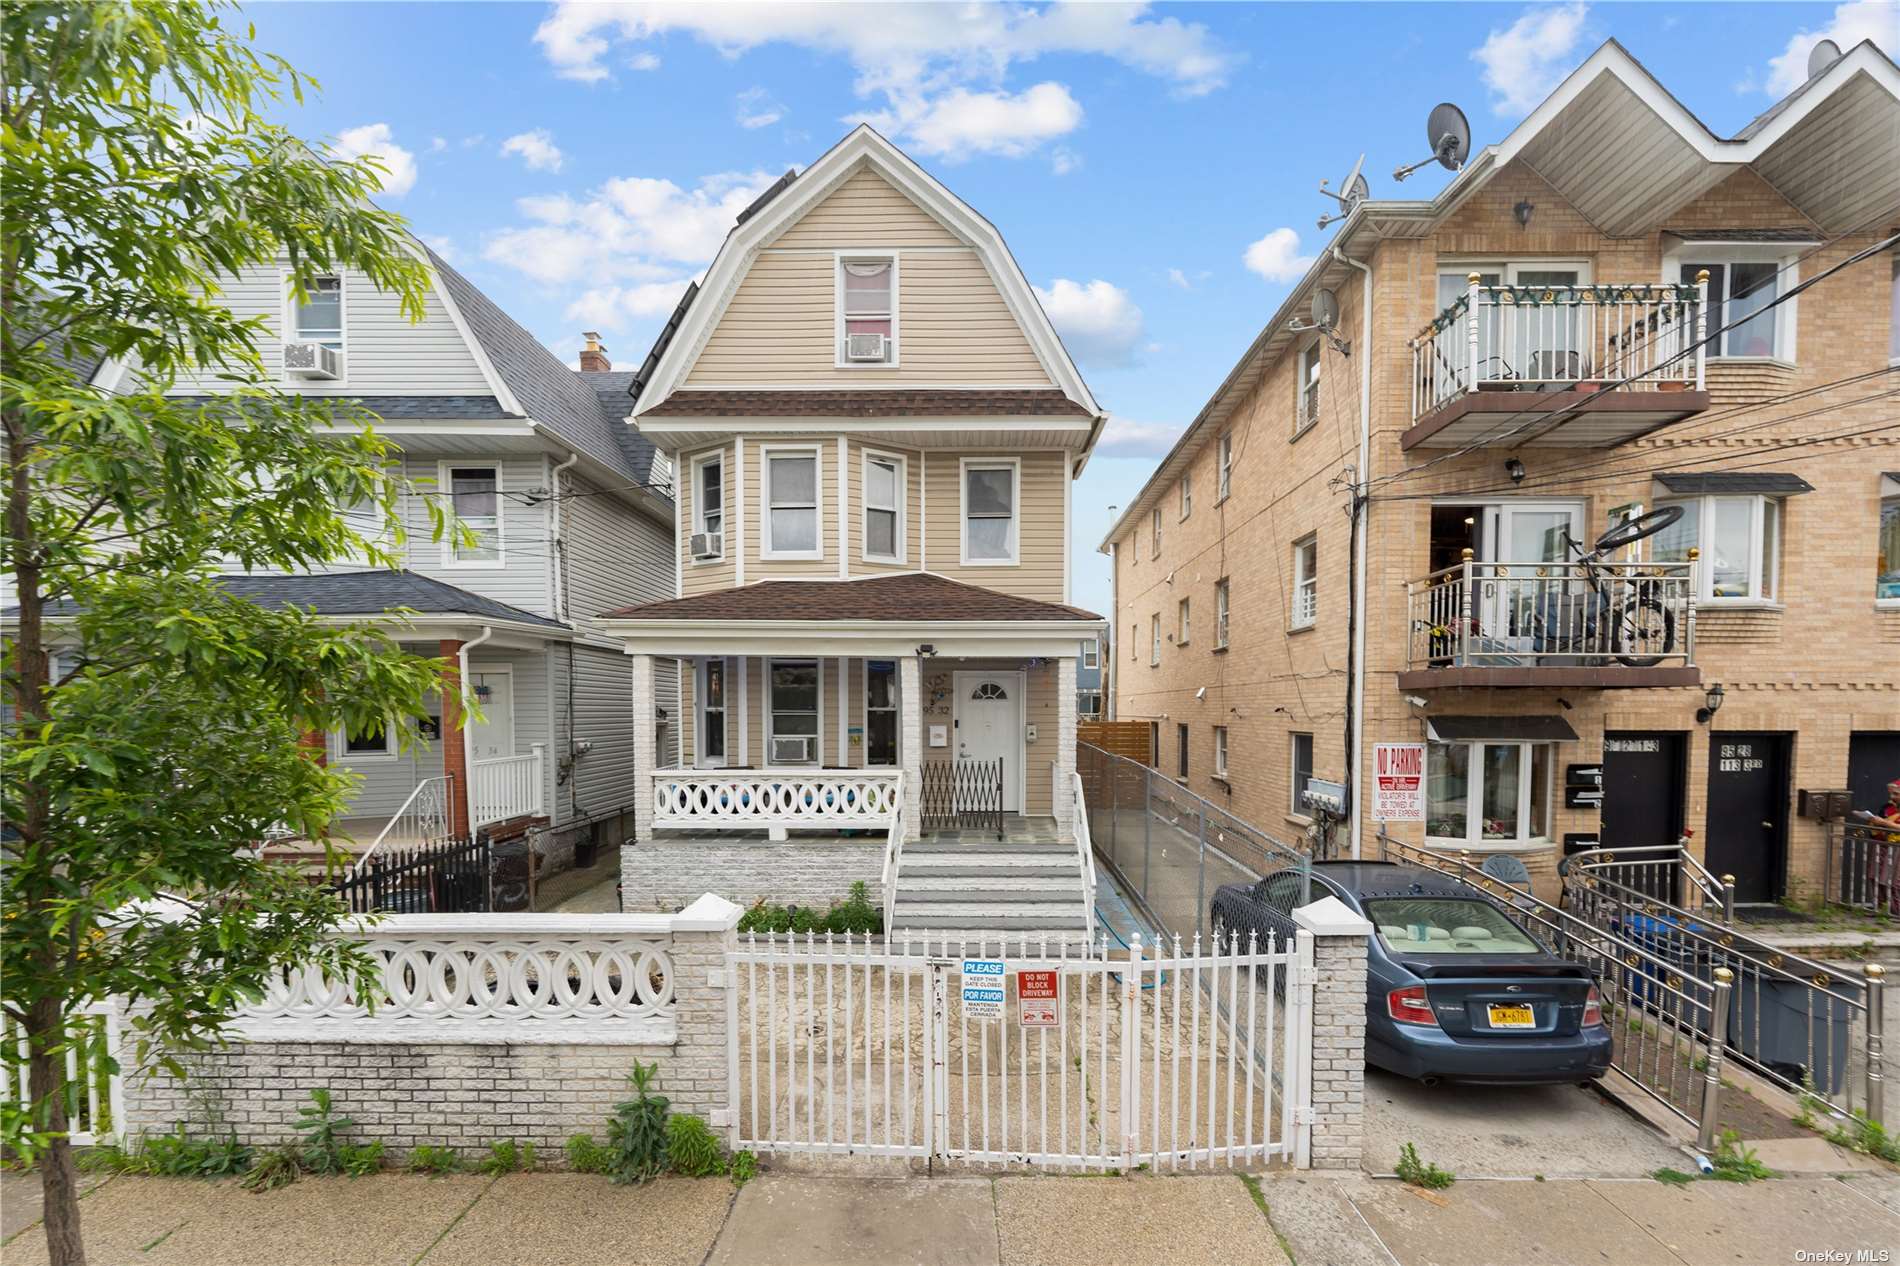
x=1608 y=610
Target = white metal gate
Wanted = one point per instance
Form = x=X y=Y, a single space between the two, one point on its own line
x=852 y=1046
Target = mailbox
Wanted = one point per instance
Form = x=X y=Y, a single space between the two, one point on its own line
x=1824 y=806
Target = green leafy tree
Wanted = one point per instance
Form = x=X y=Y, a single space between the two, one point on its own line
x=140 y=176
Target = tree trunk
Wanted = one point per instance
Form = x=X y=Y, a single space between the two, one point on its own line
x=59 y=1178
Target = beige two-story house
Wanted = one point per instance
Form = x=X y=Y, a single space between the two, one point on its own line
x=1373 y=534
x=876 y=432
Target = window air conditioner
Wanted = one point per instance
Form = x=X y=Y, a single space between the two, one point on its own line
x=312 y=360
x=708 y=544
x=791 y=749
x=865 y=347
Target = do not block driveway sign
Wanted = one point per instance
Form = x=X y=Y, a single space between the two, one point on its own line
x=1039 y=999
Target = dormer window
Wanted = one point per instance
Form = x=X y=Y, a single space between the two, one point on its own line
x=867 y=310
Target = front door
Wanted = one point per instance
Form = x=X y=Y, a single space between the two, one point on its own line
x=1642 y=793
x=1530 y=536
x=494 y=734
x=1748 y=812
x=989 y=720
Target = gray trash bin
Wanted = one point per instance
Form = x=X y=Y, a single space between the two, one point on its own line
x=1792 y=1028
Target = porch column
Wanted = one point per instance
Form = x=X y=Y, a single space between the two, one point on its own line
x=910 y=741
x=644 y=742
x=1063 y=793
x=454 y=750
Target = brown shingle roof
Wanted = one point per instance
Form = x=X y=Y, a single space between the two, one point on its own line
x=909 y=596
x=866 y=404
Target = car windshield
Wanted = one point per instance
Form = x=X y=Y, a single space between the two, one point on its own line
x=1447 y=925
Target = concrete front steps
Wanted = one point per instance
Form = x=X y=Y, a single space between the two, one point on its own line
x=971 y=890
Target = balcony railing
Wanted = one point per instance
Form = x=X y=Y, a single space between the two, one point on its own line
x=507 y=787
x=1517 y=615
x=1561 y=338
x=789 y=799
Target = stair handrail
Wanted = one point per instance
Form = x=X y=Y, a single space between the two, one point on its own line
x=425 y=785
x=1084 y=843
x=893 y=859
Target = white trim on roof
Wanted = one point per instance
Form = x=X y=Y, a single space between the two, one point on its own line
x=496 y=383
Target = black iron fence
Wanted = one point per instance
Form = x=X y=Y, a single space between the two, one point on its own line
x=449 y=878
x=963 y=795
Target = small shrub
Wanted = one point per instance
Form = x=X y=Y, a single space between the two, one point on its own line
x=427 y=1158
x=587 y=1155
x=856 y=914
x=636 y=1133
x=744 y=1167
x=1672 y=1177
x=276 y=1168
x=1416 y=1172
x=691 y=1148
x=177 y=1155
x=361 y=1159
x=1736 y=1163
x=319 y=1125
x=505 y=1156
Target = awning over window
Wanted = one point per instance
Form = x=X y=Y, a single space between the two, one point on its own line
x=1526 y=729
x=1767 y=483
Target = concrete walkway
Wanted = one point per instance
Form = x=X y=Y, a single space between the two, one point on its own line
x=784 y=1219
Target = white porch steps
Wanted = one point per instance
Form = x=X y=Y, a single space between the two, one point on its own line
x=978 y=888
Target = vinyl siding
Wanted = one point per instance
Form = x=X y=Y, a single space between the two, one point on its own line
x=759 y=568
x=1038 y=572
x=613 y=555
x=385 y=354
x=521 y=579
x=913 y=508
x=865 y=210
x=702 y=577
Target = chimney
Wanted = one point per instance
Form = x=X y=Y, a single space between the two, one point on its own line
x=594 y=356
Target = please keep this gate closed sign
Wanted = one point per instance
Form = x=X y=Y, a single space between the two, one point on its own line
x=1398 y=782
x=983 y=988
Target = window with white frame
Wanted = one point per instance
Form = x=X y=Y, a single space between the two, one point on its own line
x=1181 y=623
x=1154 y=639
x=1487 y=794
x=476 y=501
x=1887 y=563
x=1221 y=598
x=1739 y=537
x=1187 y=495
x=791 y=496
x=1091 y=654
x=1305 y=582
x=1155 y=520
x=375 y=743
x=712 y=712
x=884 y=508
x=1224 y=483
x=1744 y=282
x=880 y=712
x=1306 y=406
x=318 y=316
x=794 y=688
x=1134 y=642
x=709 y=506
x=1301 y=772
x=867 y=310
x=990 y=494
x=1220 y=751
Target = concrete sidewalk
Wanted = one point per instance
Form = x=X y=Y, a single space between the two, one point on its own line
x=791 y=1219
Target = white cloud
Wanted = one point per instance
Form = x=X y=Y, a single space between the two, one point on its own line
x=612 y=307
x=1277 y=257
x=1125 y=437
x=1876 y=20
x=755 y=109
x=960 y=124
x=437 y=144
x=922 y=63
x=1098 y=322
x=442 y=245
x=1063 y=160
x=644 y=61
x=1178 y=278
x=374 y=140
x=628 y=240
x=1524 y=61
x=536 y=148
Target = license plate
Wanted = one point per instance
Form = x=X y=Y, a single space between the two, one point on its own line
x=1512 y=1017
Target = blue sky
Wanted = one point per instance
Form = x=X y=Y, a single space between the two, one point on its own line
x=1154 y=168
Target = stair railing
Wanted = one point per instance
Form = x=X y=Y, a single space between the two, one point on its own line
x=1084 y=844
x=893 y=860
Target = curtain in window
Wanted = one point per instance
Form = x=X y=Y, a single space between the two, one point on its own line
x=990 y=505
x=794 y=491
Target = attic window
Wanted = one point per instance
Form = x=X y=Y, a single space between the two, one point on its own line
x=867 y=308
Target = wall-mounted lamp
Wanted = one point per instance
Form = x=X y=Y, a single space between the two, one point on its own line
x=926 y=650
x=1515 y=469
x=1711 y=704
x=1523 y=211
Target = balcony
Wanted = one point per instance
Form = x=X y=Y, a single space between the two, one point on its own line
x=1545 y=365
x=1605 y=625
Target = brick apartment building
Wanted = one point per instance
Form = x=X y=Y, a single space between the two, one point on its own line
x=1609 y=312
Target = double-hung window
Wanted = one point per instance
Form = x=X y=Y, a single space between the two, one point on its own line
x=1155 y=520
x=712 y=712
x=794 y=690
x=709 y=506
x=1487 y=794
x=867 y=311
x=1739 y=537
x=1306 y=405
x=1182 y=628
x=991 y=489
x=1187 y=495
x=1091 y=654
x=1224 y=482
x=1154 y=639
x=1221 y=593
x=880 y=712
x=475 y=498
x=883 y=508
x=792 y=502
x=1744 y=283
x=375 y=743
x=1220 y=751
x=1302 y=771
x=318 y=316
x=1887 y=565
x=1305 y=582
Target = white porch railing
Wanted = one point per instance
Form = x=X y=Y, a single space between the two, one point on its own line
x=777 y=799
x=1572 y=338
x=508 y=786
x=95 y=1090
x=1503 y=615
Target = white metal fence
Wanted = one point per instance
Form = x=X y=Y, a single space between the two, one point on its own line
x=95 y=1090
x=1552 y=614
x=1192 y=1058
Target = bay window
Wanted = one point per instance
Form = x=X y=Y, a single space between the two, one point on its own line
x=1487 y=794
x=867 y=311
x=990 y=488
x=1740 y=540
x=884 y=508
x=791 y=495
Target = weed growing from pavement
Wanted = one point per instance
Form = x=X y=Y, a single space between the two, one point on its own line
x=276 y=1168
x=588 y=1155
x=636 y=1133
x=427 y=1158
x=1672 y=1177
x=1252 y=1183
x=505 y=1156
x=320 y=1126
x=1412 y=1170
x=1736 y=1162
x=745 y=1167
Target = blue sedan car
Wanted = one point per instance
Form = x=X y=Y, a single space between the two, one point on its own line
x=1456 y=987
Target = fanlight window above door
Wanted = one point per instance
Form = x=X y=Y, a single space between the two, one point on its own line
x=988 y=690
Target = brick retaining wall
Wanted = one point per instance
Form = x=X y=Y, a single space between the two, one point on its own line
x=666 y=874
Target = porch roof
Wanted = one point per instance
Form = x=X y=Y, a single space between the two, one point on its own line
x=911 y=597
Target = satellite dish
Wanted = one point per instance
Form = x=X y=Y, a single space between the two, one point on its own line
x=1449 y=134
x=1353 y=190
x=1824 y=54
x=1325 y=310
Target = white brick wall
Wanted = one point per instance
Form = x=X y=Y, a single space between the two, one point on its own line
x=667 y=874
x=1339 y=1051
